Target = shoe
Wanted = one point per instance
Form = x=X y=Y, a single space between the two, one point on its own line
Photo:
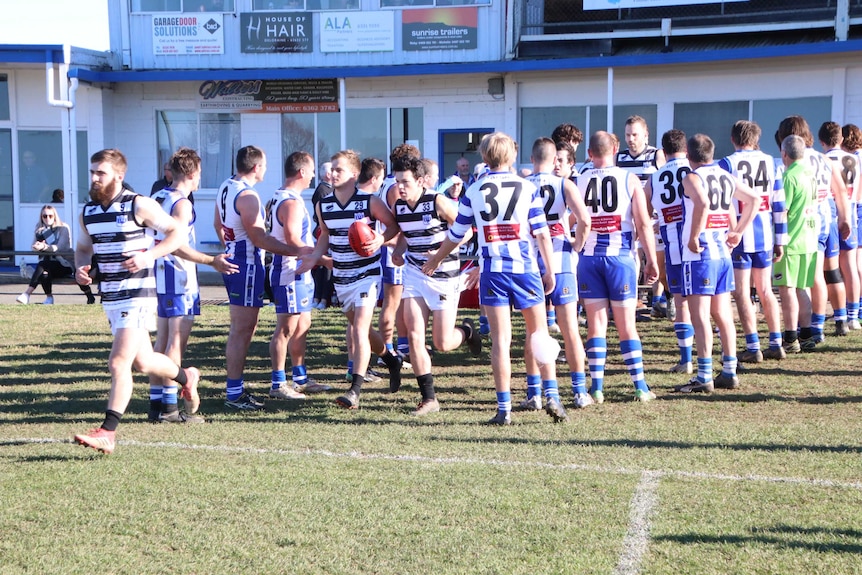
x=502 y=418
x=659 y=311
x=245 y=402
x=177 y=417
x=598 y=396
x=189 y=392
x=554 y=328
x=792 y=347
x=809 y=344
x=644 y=395
x=749 y=356
x=371 y=376
x=310 y=386
x=854 y=325
x=350 y=400
x=23 y=298
x=395 y=373
x=474 y=341
x=776 y=352
x=531 y=404
x=819 y=338
x=725 y=381
x=405 y=360
x=49 y=300
x=682 y=368
x=671 y=310
x=555 y=409
x=695 y=386
x=98 y=439
x=425 y=407
x=583 y=400
x=841 y=328
x=285 y=392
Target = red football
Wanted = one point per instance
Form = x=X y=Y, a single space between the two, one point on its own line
x=360 y=233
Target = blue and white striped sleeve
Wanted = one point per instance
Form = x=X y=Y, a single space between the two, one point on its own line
x=463 y=221
x=779 y=210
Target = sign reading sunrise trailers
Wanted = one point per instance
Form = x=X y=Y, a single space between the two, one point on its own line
x=615 y=4
x=263 y=32
x=357 y=31
x=439 y=29
x=183 y=34
x=270 y=96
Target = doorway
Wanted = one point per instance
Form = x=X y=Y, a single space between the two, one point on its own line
x=456 y=144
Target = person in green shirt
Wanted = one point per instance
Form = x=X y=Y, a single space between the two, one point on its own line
x=795 y=260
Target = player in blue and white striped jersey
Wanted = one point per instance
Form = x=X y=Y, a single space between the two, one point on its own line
x=709 y=230
x=664 y=198
x=507 y=212
x=606 y=268
x=852 y=143
x=752 y=258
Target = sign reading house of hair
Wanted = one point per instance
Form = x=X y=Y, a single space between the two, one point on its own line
x=263 y=32
x=439 y=29
x=184 y=34
x=270 y=96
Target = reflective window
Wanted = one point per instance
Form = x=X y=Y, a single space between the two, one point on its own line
x=40 y=165
x=366 y=132
x=426 y=3
x=769 y=113
x=540 y=123
x=216 y=137
x=182 y=6
x=7 y=214
x=714 y=119
x=4 y=97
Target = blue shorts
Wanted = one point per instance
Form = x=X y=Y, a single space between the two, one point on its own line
x=522 y=291
x=674 y=277
x=565 y=290
x=851 y=243
x=828 y=239
x=246 y=288
x=172 y=305
x=295 y=297
x=859 y=224
x=607 y=277
x=747 y=260
x=392 y=274
x=710 y=277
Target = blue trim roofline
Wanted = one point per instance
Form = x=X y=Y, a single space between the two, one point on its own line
x=31 y=53
x=496 y=67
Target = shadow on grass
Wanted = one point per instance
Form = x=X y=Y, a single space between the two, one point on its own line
x=736 y=397
x=772 y=536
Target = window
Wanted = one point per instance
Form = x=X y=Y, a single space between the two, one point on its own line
x=40 y=165
x=427 y=3
x=144 y=6
x=7 y=214
x=769 y=113
x=216 y=137
x=540 y=123
x=4 y=97
x=302 y=5
x=714 y=119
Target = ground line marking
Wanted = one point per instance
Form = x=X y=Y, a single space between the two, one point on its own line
x=464 y=460
x=643 y=505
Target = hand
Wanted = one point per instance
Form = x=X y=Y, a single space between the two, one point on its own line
x=430 y=266
x=374 y=244
x=650 y=273
x=844 y=229
x=472 y=278
x=398 y=259
x=733 y=239
x=777 y=254
x=550 y=281
x=306 y=265
x=82 y=276
x=138 y=261
x=305 y=251
x=694 y=245
x=39 y=246
x=222 y=264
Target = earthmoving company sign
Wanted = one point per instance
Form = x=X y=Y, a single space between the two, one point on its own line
x=271 y=32
x=184 y=34
x=439 y=29
x=270 y=96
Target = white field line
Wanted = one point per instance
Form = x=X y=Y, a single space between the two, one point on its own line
x=828 y=483
x=642 y=507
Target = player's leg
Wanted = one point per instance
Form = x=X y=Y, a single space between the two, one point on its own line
x=761 y=277
x=416 y=314
x=243 y=324
x=723 y=316
x=742 y=272
x=536 y=326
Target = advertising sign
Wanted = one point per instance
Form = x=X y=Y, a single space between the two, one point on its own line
x=357 y=31
x=269 y=96
x=439 y=29
x=276 y=32
x=183 y=34
x=614 y=4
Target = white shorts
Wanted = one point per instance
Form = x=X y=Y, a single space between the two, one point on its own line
x=132 y=317
x=438 y=293
x=361 y=293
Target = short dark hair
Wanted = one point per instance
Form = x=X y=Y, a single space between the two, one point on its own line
x=414 y=165
x=247 y=158
x=184 y=163
x=830 y=134
x=370 y=168
x=745 y=133
x=113 y=156
x=673 y=142
x=701 y=149
x=567 y=133
x=797 y=126
x=295 y=162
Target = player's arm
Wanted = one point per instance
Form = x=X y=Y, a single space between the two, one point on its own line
x=660 y=159
x=219 y=230
x=150 y=214
x=83 y=254
x=643 y=225
x=579 y=210
x=317 y=256
x=183 y=214
x=248 y=206
x=448 y=210
x=457 y=232
x=839 y=192
x=692 y=187
x=385 y=216
x=750 y=202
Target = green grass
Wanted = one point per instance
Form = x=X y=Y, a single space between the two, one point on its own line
x=763 y=479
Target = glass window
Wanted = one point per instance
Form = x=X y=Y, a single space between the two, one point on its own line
x=299 y=134
x=406 y=124
x=40 y=165
x=174 y=128
x=769 y=113
x=220 y=141
x=711 y=118
x=83 y=168
x=412 y=3
x=4 y=97
x=7 y=214
x=278 y=5
x=156 y=5
x=207 y=5
x=182 y=6
x=366 y=132
x=540 y=122
x=332 y=4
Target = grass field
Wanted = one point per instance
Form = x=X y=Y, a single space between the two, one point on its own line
x=763 y=479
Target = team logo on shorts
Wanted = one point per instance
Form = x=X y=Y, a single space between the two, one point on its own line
x=779 y=277
x=304 y=301
x=583 y=287
x=565 y=291
x=626 y=288
x=706 y=281
x=124 y=314
x=443 y=297
x=490 y=292
x=170 y=303
x=363 y=295
x=532 y=293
